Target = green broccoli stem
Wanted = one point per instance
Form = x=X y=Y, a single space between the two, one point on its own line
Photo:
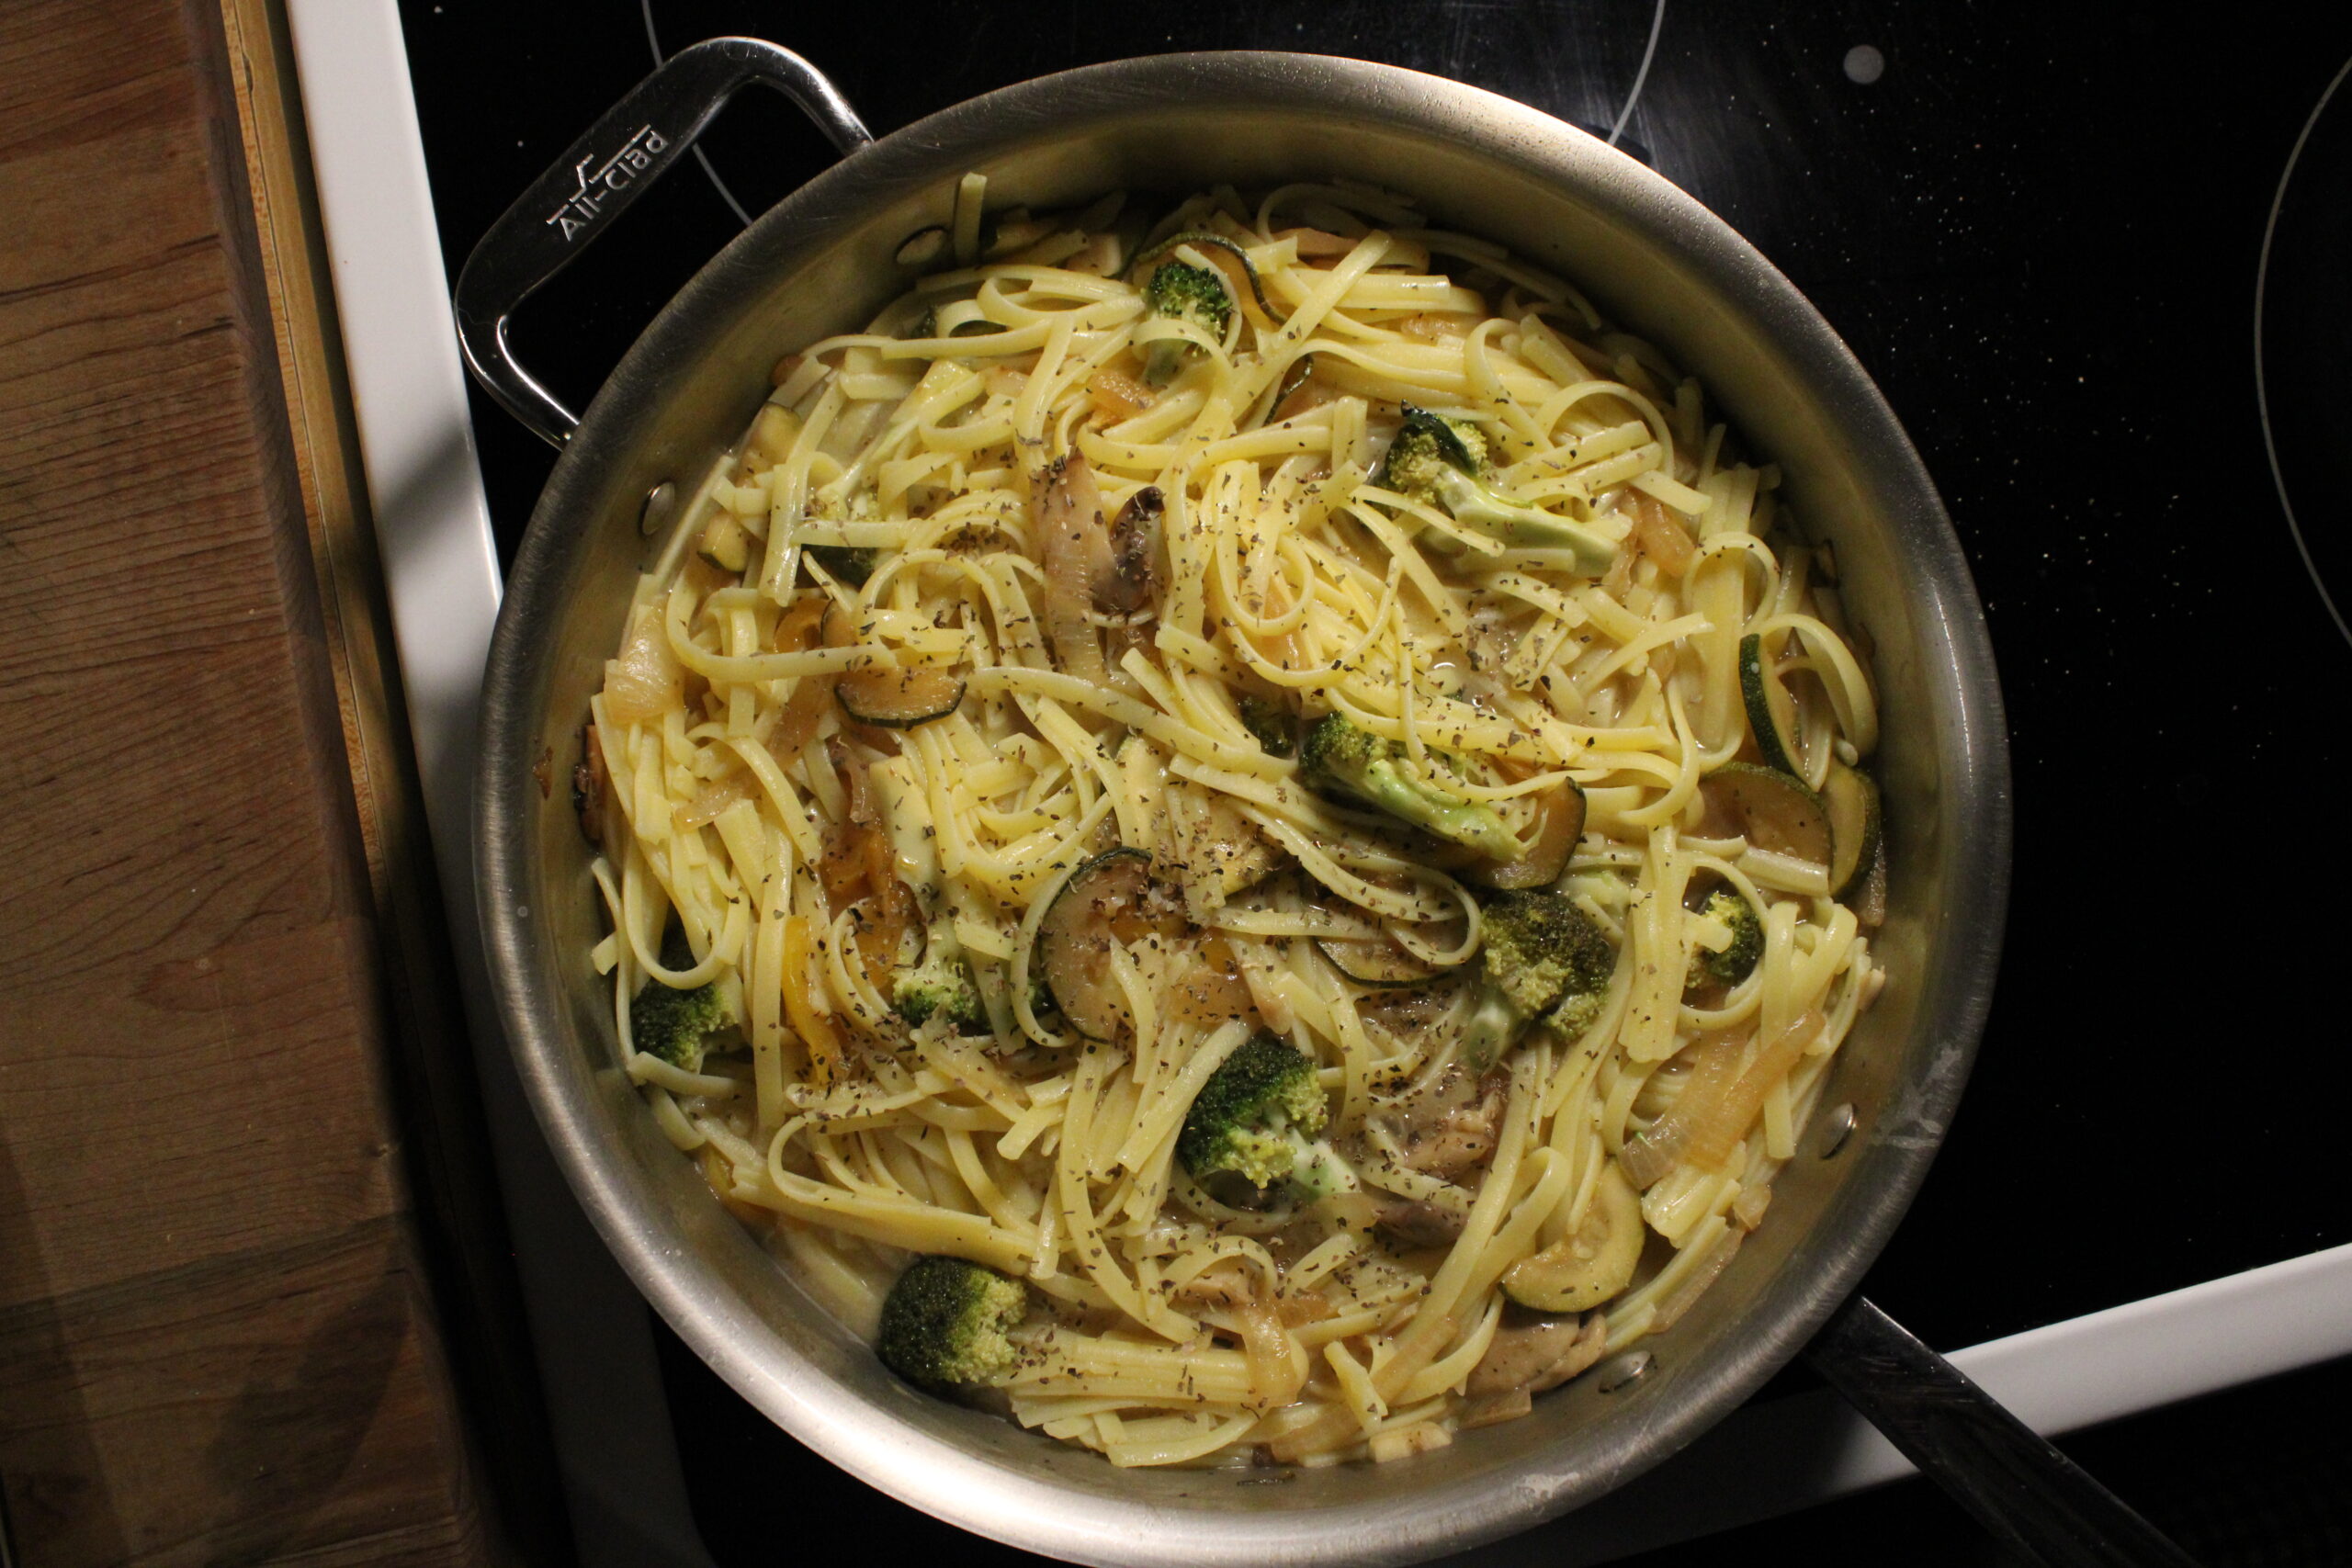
x=1163 y=359
x=1494 y=1027
x=1317 y=1170
x=1476 y=506
x=1339 y=756
x=1472 y=824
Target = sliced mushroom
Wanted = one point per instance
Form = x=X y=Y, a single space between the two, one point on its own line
x=1126 y=588
x=859 y=858
x=1400 y=1015
x=1074 y=547
x=1593 y=1264
x=1212 y=991
x=1452 y=1132
x=1417 y=1223
x=589 y=783
x=1537 y=1353
x=1493 y=1410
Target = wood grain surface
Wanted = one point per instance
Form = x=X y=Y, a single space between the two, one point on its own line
x=217 y=1341
x=440 y=1116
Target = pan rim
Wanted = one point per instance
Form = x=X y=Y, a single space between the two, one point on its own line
x=980 y=1494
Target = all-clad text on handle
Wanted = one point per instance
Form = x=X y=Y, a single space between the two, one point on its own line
x=593 y=183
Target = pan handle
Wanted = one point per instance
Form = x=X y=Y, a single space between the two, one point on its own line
x=594 y=182
x=2037 y=1501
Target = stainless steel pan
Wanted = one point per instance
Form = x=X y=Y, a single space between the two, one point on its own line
x=822 y=261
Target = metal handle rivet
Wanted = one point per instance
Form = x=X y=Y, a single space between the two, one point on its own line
x=655 y=511
x=1623 y=1372
x=1836 y=1128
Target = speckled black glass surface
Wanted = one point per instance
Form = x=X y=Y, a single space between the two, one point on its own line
x=2039 y=227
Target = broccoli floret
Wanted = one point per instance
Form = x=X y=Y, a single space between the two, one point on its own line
x=1738 y=961
x=1253 y=1128
x=1270 y=723
x=1429 y=447
x=675 y=1025
x=1547 y=956
x=947 y=1320
x=942 y=983
x=1545 y=959
x=1339 y=758
x=1185 y=293
x=1442 y=463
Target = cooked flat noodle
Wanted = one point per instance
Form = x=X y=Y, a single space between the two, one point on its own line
x=899 y=676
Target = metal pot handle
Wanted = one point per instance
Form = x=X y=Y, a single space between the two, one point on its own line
x=608 y=167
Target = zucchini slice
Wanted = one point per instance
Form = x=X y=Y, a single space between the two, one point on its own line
x=1851 y=797
x=1771 y=713
x=899 y=699
x=769 y=441
x=1593 y=1264
x=1107 y=899
x=1775 y=810
x=726 y=544
x=847 y=563
x=1375 y=961
x=893 y=698
x=1540 y=862
x=1295 y=380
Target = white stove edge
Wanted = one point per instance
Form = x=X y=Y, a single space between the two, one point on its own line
x=597 y=1371
x=441 y=577
x=1773 y=1458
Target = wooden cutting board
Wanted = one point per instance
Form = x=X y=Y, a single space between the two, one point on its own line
x=221 y=1301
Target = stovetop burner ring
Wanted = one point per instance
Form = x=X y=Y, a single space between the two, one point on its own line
x=2303 y=328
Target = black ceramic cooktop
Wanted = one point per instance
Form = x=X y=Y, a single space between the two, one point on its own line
x=2041 y=228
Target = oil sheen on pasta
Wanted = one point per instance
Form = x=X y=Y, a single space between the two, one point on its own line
x=1028 y=572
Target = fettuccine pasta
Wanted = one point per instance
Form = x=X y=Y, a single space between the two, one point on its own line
x=1262 y=779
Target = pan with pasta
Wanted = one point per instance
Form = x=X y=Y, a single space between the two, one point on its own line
x=1240 y=829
